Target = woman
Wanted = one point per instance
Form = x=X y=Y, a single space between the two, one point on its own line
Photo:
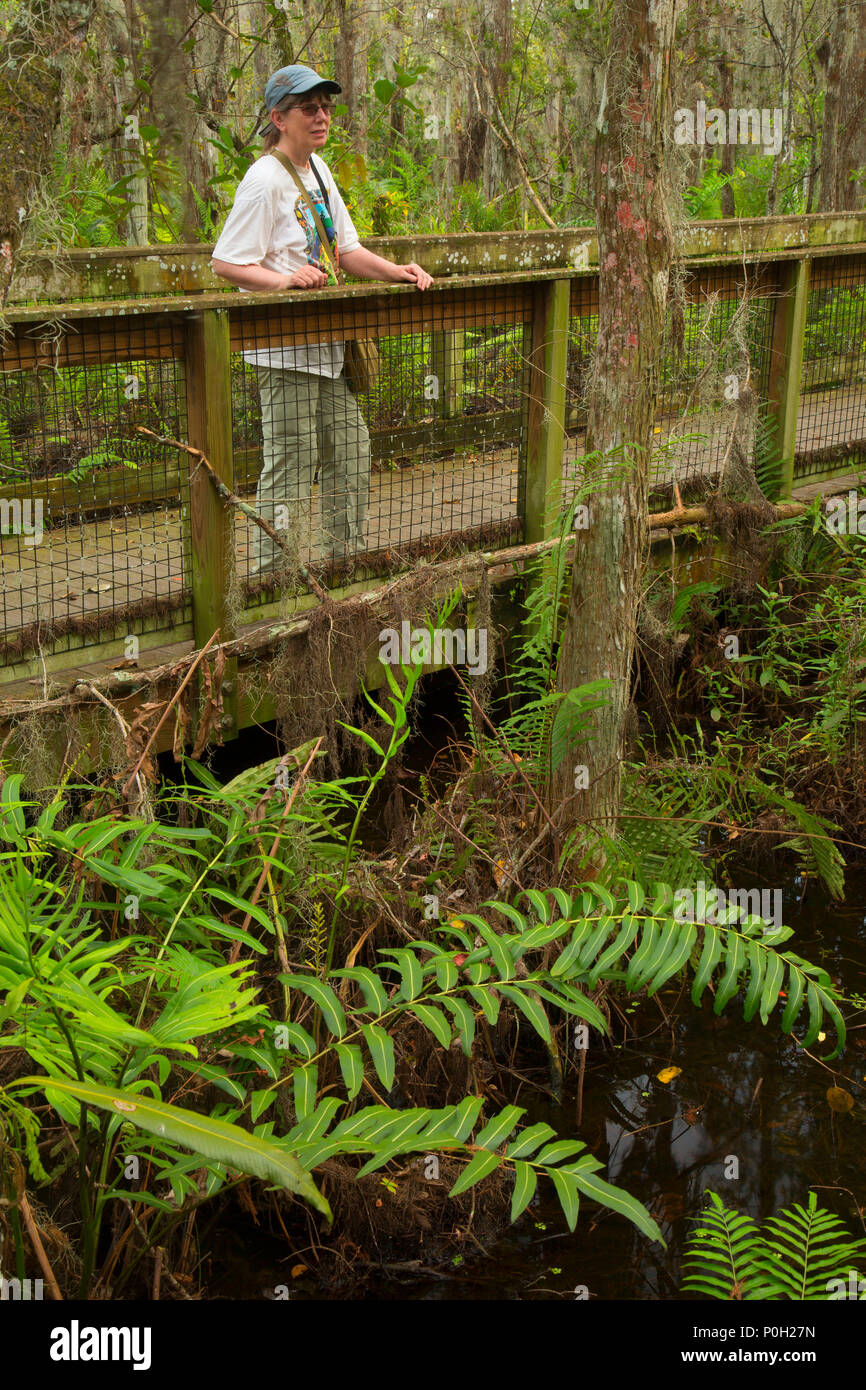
x=270 y=242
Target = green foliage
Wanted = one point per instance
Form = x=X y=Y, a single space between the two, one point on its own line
x=90 y=206
x=100 y=459
x=767 y=463
x=802 y=1254
x=234 y=156
x=807 y=657
x=202 y=1134
x=389 y=1134
x=667 y=807
x=111 y=1019
x=545 y=725
x=703 y=200
x=599 y=936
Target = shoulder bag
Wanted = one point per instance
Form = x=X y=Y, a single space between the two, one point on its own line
x=362 y=363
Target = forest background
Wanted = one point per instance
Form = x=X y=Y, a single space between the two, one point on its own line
x=132 y=121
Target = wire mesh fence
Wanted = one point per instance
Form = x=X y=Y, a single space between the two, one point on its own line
x=831 y=427
x=715 y=356
x=428 y=456
x=432 y=457
x=92 y=531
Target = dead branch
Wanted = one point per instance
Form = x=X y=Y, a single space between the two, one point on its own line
x=233 y=500
x=175 y=697
x=39 y=1248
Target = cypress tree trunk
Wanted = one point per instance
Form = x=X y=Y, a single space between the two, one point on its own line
x=843 y=147
x=351 y=68
x=635 y=255
x=41 y=35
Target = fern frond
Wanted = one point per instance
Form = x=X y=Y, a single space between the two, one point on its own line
x=599 y=936
x=805 y=1248
x=721 y=1251
x=536 y=1152
x=799 y=1254
x=817 y=851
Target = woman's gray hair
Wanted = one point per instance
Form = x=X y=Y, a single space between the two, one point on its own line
x=272 y=135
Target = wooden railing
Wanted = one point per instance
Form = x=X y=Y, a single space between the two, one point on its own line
x=163 y=304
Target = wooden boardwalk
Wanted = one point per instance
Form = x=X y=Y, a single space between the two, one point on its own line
x=93 y=568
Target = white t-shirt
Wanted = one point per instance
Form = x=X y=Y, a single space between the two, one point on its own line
x=271 y=225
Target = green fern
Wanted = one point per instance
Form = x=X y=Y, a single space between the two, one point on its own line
x=446 y=987
x=800 y=1254
x=598 y=937
x=660 y=833
x=536 y=1151
x=667 y=808
x=818 y=853
x=769 y=466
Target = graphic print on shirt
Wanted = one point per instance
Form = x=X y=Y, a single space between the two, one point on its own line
x=314 y=251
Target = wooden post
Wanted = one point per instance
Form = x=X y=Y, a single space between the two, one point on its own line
x=786 y=363
x=446 y=364
x=545 y=427
x=209 y=416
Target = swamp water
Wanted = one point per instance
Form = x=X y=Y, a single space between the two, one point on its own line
x=747 y=1101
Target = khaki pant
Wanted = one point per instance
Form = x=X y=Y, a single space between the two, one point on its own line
x=308 y=418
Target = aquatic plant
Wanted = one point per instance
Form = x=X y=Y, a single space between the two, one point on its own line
x=802 y=1253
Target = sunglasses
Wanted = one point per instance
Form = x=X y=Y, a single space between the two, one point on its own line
x=311 y=109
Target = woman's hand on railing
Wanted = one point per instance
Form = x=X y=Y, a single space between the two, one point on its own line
x=415 y=272
x=258 y=277
x=372 y=267
x=309 y=277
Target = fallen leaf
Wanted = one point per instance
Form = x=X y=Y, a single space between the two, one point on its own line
x=668 y=1073
x=839 y=1100
x=501 y=871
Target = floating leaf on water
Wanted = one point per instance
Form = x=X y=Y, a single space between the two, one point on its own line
x=667 y=1074
x=840 y=1100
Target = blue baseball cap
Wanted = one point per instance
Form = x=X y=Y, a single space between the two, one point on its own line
x=293 y=81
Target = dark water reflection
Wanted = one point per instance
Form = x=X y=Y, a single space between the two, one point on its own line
x=747 y=1117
